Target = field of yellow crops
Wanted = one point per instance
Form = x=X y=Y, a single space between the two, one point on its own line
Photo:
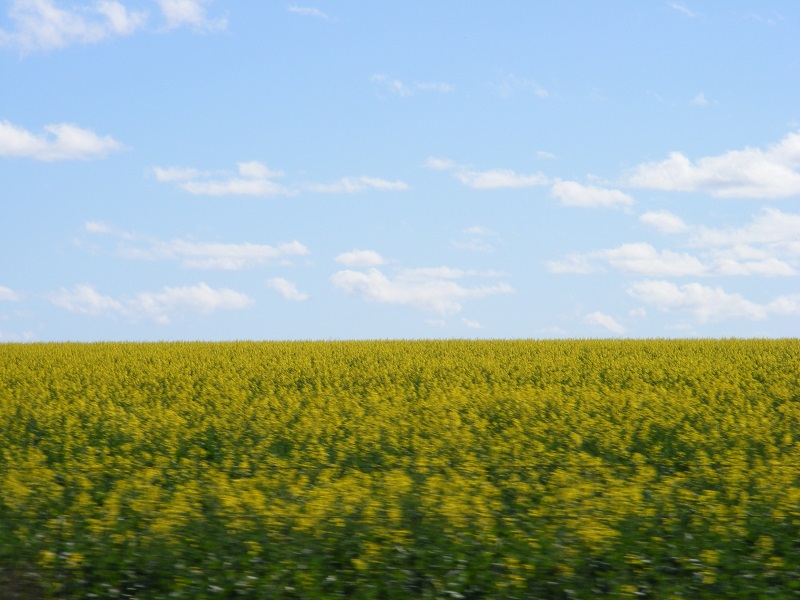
x=401 y=469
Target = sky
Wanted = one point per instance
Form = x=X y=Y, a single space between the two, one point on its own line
x=260 y=170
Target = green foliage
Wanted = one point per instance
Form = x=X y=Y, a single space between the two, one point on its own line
x=415 y=469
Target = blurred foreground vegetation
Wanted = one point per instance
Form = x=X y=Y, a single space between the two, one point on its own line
x=401 y=469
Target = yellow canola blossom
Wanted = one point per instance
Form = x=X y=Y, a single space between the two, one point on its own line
x=402 y=469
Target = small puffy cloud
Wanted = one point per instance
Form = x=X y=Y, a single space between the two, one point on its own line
x=84 y=299
x=707 y=303
x=471 y=324
x=43 y=25
x=490 y=179
x=156 y=306
x=351 y=185
x=699 y=100
x=251 y=179
x=62 y=141
x=9 y=295
x=748 y=173
x=287 y=289
x=192 y=13
x=360 y=258
x=571 y=193
x=605 y=321
x=664 y=221
x=308 y=11
x=430 y=289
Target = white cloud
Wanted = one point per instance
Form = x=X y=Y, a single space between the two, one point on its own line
x=489 y=179
x=428 y=289
x=643 y=259
x=510 y=84
x=471 y=324
x=434 y=86
x=350 y=185
x=360 y=258
x=287 y=289
x=393 y=85
x=308 y=11
x=214 y=255
x=710 y=303
x=157 y=306
x=700 y=100
x=477 y=240
x=638 y=258
x=62 y=141
x=748 y=173
x=571 y=193
x=399 y=88
x=545 y=155
x=43 y=25
x=772 y=228
x=172 y=174
x=198 y=298
x=9 y=295
x=84 y=299
x=682 y=9
x=178 y=13
x=664 y=221
x=252 y=179
x=200 y=255
x=606 y=321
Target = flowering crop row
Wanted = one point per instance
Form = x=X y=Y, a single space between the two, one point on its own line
x=401 y=469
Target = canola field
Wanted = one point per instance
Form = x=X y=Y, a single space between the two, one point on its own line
x=401 y=469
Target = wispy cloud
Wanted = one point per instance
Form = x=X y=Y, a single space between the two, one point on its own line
x=62 y=141
x=490 y=179
x=643 y=259
x=251 y=179
x=434 y=290
x=683 y=10
x=200 y=255
x=605 y=321
x=510 y=84
x=351 y=185
x=404 y=90
x=699 y=100
x=748 y=173
x=287 y=289
x=9 y=295
x=156 y=306
x=256 y=179
x=308 y=11
x=477 y=239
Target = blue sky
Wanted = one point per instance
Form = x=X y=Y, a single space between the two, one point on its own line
x=201 y=169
